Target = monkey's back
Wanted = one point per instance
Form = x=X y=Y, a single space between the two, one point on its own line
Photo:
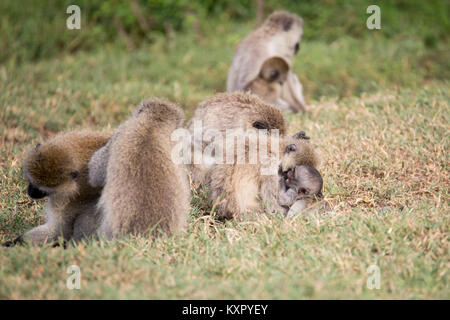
x=144 y=189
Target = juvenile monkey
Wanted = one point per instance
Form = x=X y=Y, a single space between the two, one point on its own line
x=244 y=190
x=226 y=112
x=57 y=169
x=279 y=36
x=268 y=84
x=304 y=183
x=143 y=189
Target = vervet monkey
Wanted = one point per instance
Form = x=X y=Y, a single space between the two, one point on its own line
x=241 y=190
x=269 y=83
x=144 y=191
x=225 y=112
x=58 y=169
x=279 y=36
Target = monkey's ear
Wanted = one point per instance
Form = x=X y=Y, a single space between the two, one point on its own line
x=260 y=125
x=287 y=23
x=300 y=135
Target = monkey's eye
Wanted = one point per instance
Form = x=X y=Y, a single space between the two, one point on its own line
x=291 y=148
x=273 y=75
x=38 y=145
x=260 y=125
x=74 y=174
x=296 y=48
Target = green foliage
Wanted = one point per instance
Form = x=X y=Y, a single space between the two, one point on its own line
x=35 y=29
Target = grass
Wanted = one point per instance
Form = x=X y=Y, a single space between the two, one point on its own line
x=379 y=114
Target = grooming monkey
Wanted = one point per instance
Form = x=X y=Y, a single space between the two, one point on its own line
x=237 y=110
x=269 y=83
x=229 y=111
x=143 y=189
x=58 y=169
x=245 y=191
x=279 y=36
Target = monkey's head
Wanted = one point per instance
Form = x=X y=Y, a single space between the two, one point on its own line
x=59 y=165
x=289 y=26
x=258 y=113
x=297 y=150
x=161 y=111
x=274 y=70
x=307 y=179
x=269 y=119
x=48 y=169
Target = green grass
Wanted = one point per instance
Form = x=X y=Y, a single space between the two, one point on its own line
x=379 y=114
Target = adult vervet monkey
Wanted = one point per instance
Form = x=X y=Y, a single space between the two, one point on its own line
x=229 y=111
x=279 y=36
x=143 y=189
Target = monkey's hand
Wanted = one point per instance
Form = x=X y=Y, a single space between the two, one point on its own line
x=97 y=166
x=291 y=181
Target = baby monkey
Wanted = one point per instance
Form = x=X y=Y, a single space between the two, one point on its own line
x=268 y=84
x=300 y=186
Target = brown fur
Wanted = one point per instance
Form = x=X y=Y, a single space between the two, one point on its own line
x=242 y=191
x=144 y=190
x=58 y=168
x=226 y=111
x=237 y=110
x=279 y=36
x=268 y=84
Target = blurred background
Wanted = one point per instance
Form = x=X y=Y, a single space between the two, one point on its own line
x=35 y=29
x=182 y=49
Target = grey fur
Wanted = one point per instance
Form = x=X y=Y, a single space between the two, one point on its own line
x=97 y=166
x=144 y=191
x=268 y=41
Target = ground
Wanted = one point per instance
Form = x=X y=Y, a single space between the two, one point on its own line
x=378 y=112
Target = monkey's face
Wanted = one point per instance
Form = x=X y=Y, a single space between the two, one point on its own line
x=292 y=34
x=307 y=179
x=35 y=193
x=289 y=25
x=294 y=37
x=296 y=150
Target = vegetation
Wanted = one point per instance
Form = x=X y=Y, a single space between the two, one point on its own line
x=379 y=113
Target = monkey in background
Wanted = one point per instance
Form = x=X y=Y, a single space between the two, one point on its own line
x=269 y=83
x=279 y=36
x=58 y=169
x=144 y=191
